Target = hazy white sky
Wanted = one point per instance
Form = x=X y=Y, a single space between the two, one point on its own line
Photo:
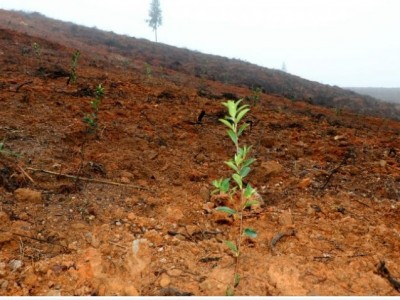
x=337 y=42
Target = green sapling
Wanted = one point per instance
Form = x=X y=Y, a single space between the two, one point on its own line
x=242 y=195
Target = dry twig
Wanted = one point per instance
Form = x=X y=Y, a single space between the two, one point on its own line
x=88 y=179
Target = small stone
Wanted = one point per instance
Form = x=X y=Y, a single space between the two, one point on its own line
x=204 y=194
x=102 y=290
x=28 y=195
x=118 y=223
x=131 y=216
x=136 y=245
x=339 y=137
x=5 y=237
x=201 y=158
x=4 y=285
x=208 y=207
x=30 y=279
x=125 y=180
x=131 y=200
x=15 y=264
x=382 y=163
x=191 y=229
x=304 y=183
x=54 y=293
x=78 y=226
x=152 y=154
x=154 y=237
x=3 y=217
x=174 y=272
x=174 y=214
x=126 y=174
x=286 y=219
x=73 y=245
x=165 y=280
x=2 y=269
x=271 y=168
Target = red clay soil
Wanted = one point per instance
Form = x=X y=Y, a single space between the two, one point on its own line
x=146 y=224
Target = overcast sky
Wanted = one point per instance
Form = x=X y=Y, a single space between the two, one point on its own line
x=338 y=42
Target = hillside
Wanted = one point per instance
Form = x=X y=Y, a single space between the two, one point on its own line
x=125 y=208
x=132 y=53
x=385 y=94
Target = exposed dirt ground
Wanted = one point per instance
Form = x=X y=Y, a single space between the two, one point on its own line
x=329 y=180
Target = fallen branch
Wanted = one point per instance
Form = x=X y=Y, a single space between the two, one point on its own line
x=38 y=240
x=348 y=154
x=26 y=174
x=89 y=179
x=22 y=84
x=384 y=272
x=280 y=235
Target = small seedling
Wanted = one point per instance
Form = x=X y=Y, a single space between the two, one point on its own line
x=149 y=70
x=255 y=95
x=338 y=111
x=37 y=50
x=242 y=195
x=74 y=65
x=7 y=152
x=92 y=119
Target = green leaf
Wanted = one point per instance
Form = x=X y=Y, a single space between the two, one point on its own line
x=237 y=104
x=236 y=280
x=238 y=158
x=225 y=185
x=238 y=180
x=248 y=162
x=226 y=210
x=249 y=191
x=229 y=291
x=227 y=123
x=244 y=172
x=232 y=165
x=241 y=115
x=250 y=203
x=233 y=136
x=250 y=233
x=231 y=108
x=242 y=128
x=233 y=247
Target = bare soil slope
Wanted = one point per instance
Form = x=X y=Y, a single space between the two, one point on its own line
x=128 y=52
x=145 y=224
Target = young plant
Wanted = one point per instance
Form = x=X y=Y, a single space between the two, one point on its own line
x=37 y=50
x=149 y=70
x=92 y=119
x=242 y=195
x=7 y=152
x=255 y=95
x=74 y=64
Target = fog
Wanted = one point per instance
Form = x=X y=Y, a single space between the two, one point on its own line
x=338 y=42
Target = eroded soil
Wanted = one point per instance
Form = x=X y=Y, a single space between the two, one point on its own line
x=330 y=184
